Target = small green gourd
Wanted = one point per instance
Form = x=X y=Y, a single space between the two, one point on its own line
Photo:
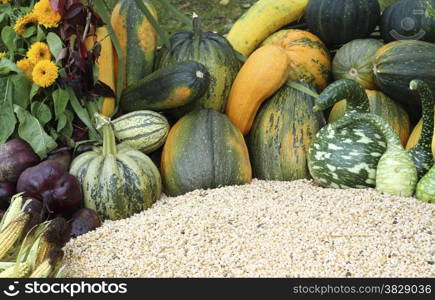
x=396 y=173
x=422 y=152
x=426 y=187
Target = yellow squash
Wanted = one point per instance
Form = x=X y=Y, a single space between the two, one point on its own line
x=261 y=20
x=265 y=71
x=105 y=65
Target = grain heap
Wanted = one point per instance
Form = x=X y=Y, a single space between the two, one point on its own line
x=266 y=228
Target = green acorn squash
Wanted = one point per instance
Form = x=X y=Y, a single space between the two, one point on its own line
x=426 y=187
x=399 y=62
x=348 y=157
x=407 y=20
x=167 y=88
x=215 y=53
x=143 y=130
x=338 y=22
x=117 y=180
x=355 y=61
x=282 y=132
x=204 y=150
x=383 y=106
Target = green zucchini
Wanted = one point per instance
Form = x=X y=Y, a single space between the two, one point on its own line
x=396 y=173
x=346 y=158
x=143 y=130
x=422 y=152
x=167 y=88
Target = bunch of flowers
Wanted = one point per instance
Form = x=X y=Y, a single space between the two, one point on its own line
x=46 y=72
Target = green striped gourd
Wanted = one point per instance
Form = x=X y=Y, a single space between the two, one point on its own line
x=422 y=152
x=143 y=130
x=282 y=132
x=396 y=173
x=117 y=180
x=346 y=158
x=215 y=53
x=426 y=187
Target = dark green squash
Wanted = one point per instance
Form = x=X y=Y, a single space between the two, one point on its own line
x=407 y=20
x=346 y=157
x=167 y=88
x=399 y=62
x=355 y=61
x=213 y=51
x=282 y=132
x=204 y=150
x=338 y=22
x=422 y=152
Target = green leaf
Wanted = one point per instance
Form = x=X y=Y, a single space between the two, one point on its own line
x=300 y=87
x=34 y=90
x=7 y=66
x=21 y=87
x=29 y=32
x=7 y=117
x=41 y=111
x=68 y=128
x=60 y=99
x=54 y=43
x=40 y=34
x=61 y=123
x=31 y=131
x=8 y=37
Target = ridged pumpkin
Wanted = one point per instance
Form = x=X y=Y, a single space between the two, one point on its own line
x=265 y=71
x=407 y=19
x=281 y=135
x=215 y=53
x=383 y=106
x=338 y=22
x=309 y=59
x=397 y=63
x=117 y=180
x=355 y=61
x=137 y=37
x=203 y=151
x=106 y=66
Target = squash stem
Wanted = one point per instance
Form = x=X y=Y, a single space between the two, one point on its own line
x=197 y=30
x=109 y=142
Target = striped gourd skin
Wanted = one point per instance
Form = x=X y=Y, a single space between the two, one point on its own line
x=383 y=106
x=143 y=130
x=346 y=157
x=281 y=135
x=338 y=22
x=137 y=37
x=309 y=59
x=392 y=24
x=355 y=61
x=171 y=87
x=426 y=187
x=204 y=150
x=117 y=186
x=415 y=136
x=397 y=63
x=216 y=54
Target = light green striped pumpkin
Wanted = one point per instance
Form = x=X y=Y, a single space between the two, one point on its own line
x=143 y=130
x=117 y=181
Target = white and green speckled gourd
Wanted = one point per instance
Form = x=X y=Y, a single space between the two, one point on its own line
x=346 y=157
x=426 y=187
x=396 y=173
x=422 y=152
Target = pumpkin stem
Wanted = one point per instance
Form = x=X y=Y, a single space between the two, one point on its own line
x=197 y=28
x=109 y=142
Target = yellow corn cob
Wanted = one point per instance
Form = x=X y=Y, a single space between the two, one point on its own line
x=43 y=249
x=12 y=233
x=14 y=272
x=13 y=211
x=43 y=270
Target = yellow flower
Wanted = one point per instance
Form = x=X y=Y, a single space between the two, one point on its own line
x=2 y=54
x=24 y=22
x=26 y=67
x=37 y=52
x=45 y=73
x=47 y=16
x=5 y=1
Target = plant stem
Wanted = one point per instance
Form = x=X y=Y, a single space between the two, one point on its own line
x=109 y=142
x=179 y=15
